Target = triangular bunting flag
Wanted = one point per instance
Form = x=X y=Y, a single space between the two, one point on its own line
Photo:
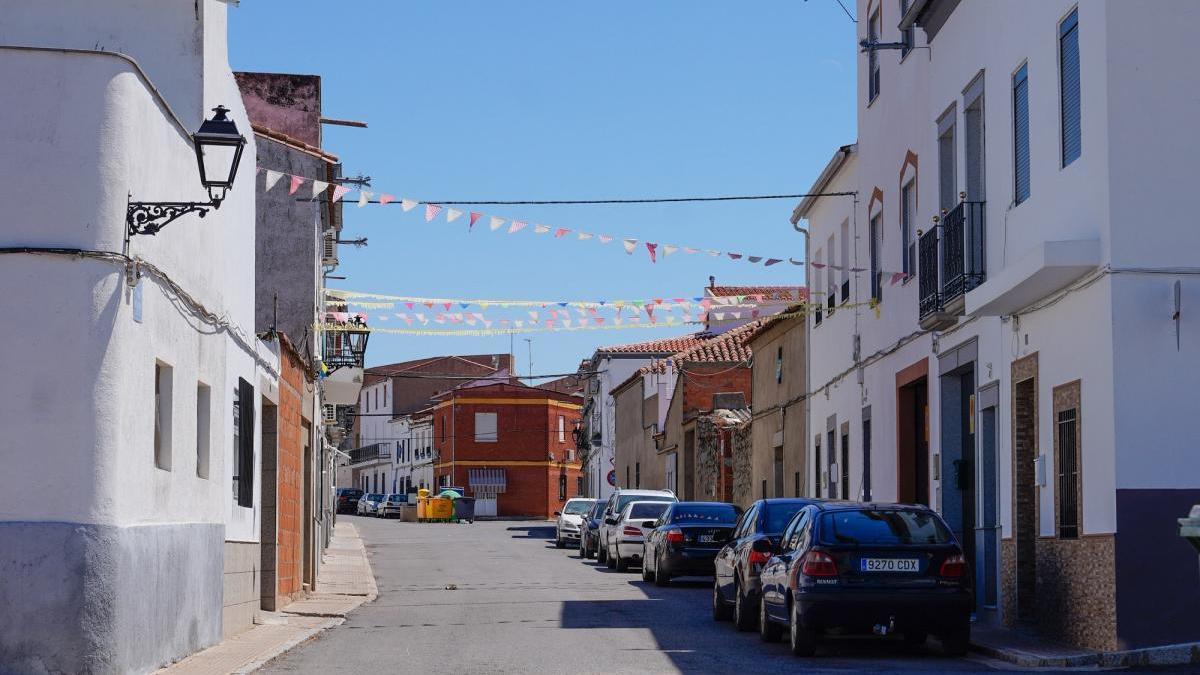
x=687 y=249
x=363 y=197
x=318 y=188
x=272 y=178
x=339 y=191
x=452 y=215
x=516 y=226
x=558 y=234
x=652 y=248
x=604 y=239
x=495 y=223
x=387 y=199
x=796 y=262
x=629 y=245
x=735 y=256
x=584 y=236
x=297 y=181
x=669 y=249
x=540 y=229
x=475 y=215
x=408 y=204
x=771 y=261
x=896 y=277
x=431 y=212
x=713 y=253
x=754 y=258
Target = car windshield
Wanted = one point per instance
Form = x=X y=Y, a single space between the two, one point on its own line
x=883 y=526
x=624 y=500
x=646 y=511
x=577 y=508
x=779 y=515
x=374 y=497
x=716 y=514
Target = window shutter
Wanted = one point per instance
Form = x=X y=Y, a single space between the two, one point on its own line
x=1021 y=135
x=246 y=442
x=1068 y=52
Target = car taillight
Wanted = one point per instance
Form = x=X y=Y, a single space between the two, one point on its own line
x=758 y=558
x=954 y=566
x=674 y=536
x=818 y=564
x=631 y=531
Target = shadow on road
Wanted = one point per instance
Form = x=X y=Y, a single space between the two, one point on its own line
x=532 y=532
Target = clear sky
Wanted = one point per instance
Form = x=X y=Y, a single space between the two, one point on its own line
x=555 y=100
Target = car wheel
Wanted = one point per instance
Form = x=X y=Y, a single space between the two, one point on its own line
x=768 y=630
x=743 y=618
x=622 y=564
x=609 y=561
x=647 y=573
x=956 y=643
x=661 y=578
x=720 y=608
x=803 y=641
x=558 y=542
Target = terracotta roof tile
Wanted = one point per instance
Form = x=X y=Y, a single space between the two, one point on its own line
x=774 y=319
x=728 y=347
x=671 y=345
x=769 y=293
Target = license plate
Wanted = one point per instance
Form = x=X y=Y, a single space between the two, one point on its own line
x=706 y=538
x=889 y=565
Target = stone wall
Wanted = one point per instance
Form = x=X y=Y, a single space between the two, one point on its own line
x=743 y=491
x=242 y=594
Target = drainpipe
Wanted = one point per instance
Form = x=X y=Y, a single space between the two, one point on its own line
x=807 y=354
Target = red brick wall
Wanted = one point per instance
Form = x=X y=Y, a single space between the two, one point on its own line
x=290 y=479
x=702 y=381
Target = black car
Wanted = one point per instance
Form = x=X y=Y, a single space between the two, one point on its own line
x=685 y=540
x=735 y=580
x=863 y=568
x=347 y=500
x=589 y=531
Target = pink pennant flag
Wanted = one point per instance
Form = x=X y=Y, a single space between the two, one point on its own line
x=386 y=199
x=771 y=261
x=421 y=318
x=446 y=305
x=407 y=318
x=297 y=181
x=540 y=229
x=629 y=245
x=604 y=239
x=687 y=249
x=516 y=226
x=439 y=318
x=431 y=212
x=819 y=266
x=735 y=256
x=475 y=215
x=897 y=277
x=653 y=249
x=650 y=310
x=758 y=297
x=339 y=191
x=706 y=303
x=408 y=305
x=550 y=323
x=558 y=234
x=599 y=320
x=495 y=223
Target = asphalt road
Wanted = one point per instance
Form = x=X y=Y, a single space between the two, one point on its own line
x=521 y=605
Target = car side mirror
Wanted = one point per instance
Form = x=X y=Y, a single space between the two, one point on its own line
x=648 y=523
x=762 y=546
x=558 y=513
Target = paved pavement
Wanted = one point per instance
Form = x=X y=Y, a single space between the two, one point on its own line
x=521 y=605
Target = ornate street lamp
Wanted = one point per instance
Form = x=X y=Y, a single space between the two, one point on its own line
x=218 y=152
x=346 y=344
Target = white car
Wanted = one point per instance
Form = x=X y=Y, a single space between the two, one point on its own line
x=391 y=505
x=629 y=534
x=570 y=519
x=368 y=504
x=617 y=502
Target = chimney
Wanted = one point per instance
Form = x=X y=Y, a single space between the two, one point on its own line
x=712 y=281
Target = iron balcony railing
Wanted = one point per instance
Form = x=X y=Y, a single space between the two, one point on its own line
x=962 y=250
x=369 y=453
x=951 y=257
x=929 y=299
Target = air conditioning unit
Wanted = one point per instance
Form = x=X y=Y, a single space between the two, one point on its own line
x=329 y=255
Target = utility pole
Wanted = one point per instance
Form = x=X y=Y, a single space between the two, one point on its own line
x=529 y=343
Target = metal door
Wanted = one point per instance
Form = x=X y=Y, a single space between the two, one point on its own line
x=485 y=506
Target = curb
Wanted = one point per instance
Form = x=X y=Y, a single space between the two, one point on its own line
x=1168 y=655
x=287 y=646
x=1028 y=660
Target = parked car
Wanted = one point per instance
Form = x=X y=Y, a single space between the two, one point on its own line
x=368 y=504
x=685 y=540
x=391 y=505
x=589 y=531
x=736 y=589
x=866 y=568
x=347 y=500
x=627 y=544
x=569 y=520
x=613 y=507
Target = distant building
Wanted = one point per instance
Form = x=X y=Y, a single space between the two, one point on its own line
x=777 y=462
x=511 y=447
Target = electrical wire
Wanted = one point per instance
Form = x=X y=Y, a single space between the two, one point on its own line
x=569 y=202
x=839 y=2
x=492 y=376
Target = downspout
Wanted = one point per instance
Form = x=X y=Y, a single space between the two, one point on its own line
x=807 y=356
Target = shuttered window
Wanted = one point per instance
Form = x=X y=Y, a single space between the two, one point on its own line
x=1068 y=56
x=485 y=428
x=1068 y=474
x=947 y=170
x=907 y=234
x=874 y=30
x=243 y=444
x=1021 y=135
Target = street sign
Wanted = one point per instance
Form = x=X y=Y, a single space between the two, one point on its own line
x=612 y=478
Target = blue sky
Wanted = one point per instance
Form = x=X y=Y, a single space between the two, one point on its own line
x=553 y=100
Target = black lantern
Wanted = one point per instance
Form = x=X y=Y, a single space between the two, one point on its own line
x=346 y=344
x=218 y=151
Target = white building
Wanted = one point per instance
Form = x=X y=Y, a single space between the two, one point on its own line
x=130 y=502
x=1027 y=373
x=413 y=458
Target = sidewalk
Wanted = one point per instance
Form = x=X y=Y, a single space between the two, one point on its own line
x=1028 y=651
x=344 y=581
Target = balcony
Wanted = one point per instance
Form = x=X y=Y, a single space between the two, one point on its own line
x=369 y=453
x=951 y=262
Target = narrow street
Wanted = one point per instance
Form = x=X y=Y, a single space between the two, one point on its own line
x=521 y=605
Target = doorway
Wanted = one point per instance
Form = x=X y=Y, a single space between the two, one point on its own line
x=1025 y=518
x=912 y=448
x=779 y=471
x=269 y=519
x=987 y=531
x=958 y=450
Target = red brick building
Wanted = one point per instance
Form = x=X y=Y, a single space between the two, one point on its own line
x=510 y=446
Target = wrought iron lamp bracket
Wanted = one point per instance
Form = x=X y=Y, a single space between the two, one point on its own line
x=150 y=217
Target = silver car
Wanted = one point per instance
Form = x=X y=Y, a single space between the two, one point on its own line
x=368 y=504
x=391 y=505
x=617 y=502
x=630 y=534
x=570 y=519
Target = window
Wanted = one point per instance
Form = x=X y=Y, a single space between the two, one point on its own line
x=1067 y=462
x=873 y=57
x=579 y=486
x=828 y=475
x=845 y=463
x=243 y=443
x=562 y=487
x=779 y=365
x=883 y=527
x=162 y=415
x=562 y=429
x=908 y=233
x=876 y=254
x=1068 y=64
x=817 y=466
x=845 y=261
x=866 y=441
x=796 y=489
x=830 y=280
x=203 y=426
x=1021 y=134
x=906 y=35
x=815 y=287
x=764 y=488
x=947 y=176
x=377 y=398
x=627 y=483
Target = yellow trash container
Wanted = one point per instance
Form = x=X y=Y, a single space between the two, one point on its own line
x=422 y=505
x=440 y=508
